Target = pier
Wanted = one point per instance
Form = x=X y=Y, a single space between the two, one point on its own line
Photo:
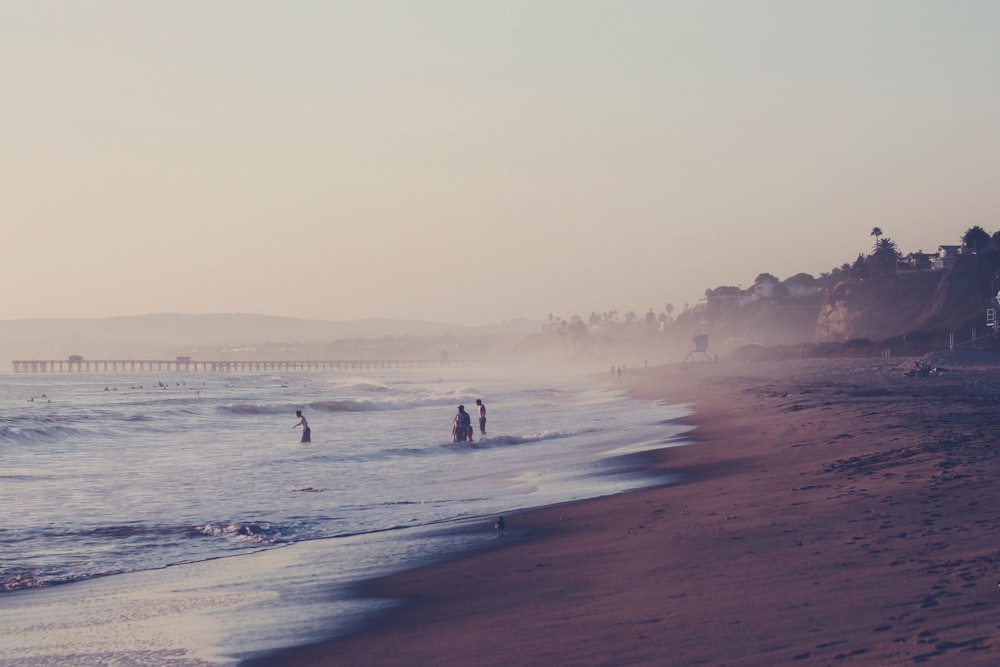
x=77 y=365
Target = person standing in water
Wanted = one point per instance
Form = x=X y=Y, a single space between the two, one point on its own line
x=461 y=429
x=482 y=416
x=306 y=433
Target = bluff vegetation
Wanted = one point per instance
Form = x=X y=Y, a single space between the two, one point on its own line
x=884 y=301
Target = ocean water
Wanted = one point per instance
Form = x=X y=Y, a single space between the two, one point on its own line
x=175 y=519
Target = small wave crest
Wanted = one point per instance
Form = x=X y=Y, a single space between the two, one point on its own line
x=256 y=408
x=489 y=441
x=18 y=578
x=40 y=433
x=376 y=405
x=369 y=386
x=126 y=547
x=253 y=532
x=275 y=409
x=334 y=406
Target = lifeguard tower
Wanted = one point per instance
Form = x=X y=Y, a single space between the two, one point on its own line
x=991 y=314
x=700 y=346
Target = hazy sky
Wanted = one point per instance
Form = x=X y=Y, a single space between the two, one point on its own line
x=470 y=161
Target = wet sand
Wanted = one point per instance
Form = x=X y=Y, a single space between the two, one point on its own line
x=831 y=512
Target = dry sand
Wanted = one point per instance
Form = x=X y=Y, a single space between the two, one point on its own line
x=832 y=512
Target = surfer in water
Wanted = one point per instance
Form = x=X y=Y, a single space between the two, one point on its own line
x=306 y=433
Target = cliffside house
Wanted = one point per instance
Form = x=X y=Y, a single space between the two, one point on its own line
x=947 y=256
x=917 y=261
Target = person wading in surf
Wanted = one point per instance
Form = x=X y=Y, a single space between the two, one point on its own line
x=482 y=416
x=461 y=429
x=306 y=433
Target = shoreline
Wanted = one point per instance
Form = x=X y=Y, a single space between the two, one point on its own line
x=829 y=510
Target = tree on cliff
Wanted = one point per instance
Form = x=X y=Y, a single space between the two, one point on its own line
x=859 y=269
x=883 y=260
x=976 y=238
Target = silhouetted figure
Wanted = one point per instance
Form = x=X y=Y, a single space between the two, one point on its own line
x=461 y=428
x=306 y=432
x=482 y=416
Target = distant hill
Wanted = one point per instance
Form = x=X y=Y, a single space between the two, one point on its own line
x=857 y=309
x=162 y=336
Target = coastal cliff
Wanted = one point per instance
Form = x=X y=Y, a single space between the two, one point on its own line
x=925 y=304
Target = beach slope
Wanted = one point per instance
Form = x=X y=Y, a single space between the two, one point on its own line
x=831 y=512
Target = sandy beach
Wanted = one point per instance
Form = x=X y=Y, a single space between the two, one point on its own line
x=831 y=512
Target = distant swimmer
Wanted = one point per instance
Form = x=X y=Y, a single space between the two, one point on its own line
x=482 y=416
x=306 y=433
x=461 y=428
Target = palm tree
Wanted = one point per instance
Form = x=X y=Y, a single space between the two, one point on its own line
x=876 y=232
x=885 y=257
x=976 y=238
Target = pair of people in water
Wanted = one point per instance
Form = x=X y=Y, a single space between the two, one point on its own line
x=461 y=428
